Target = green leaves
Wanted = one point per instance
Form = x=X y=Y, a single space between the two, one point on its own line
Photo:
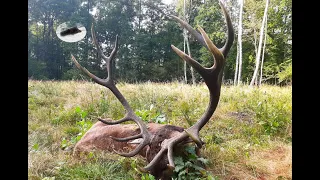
x=285 y=74
x=272 y=115
x=81 y=127
x=151 y=115
x=203 y=160
x=134 y=165
x=189 y=166
x=82 y=113
x=147 y=177
x=35 y=146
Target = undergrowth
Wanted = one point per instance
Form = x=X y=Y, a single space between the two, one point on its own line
x=247 y=124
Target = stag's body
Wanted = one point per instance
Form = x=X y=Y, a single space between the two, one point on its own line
x=98 y=138
x=156 y=144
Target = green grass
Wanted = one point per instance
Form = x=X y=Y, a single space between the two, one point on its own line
x=248 y=124
x=106 y=170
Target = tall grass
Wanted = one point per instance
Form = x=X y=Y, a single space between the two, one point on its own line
x=248 y=124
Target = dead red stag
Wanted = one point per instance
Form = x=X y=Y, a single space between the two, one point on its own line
x=156 y=142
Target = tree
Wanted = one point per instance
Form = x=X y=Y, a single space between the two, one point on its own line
x=237 y=79
x=185 y=8
x=145 y=34
x=260 y=44
x=186 y=38
x=279 y=41
x=264 y=48
x=45 y=48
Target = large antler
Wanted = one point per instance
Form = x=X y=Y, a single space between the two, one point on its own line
x=109 y=83
x=212 y=77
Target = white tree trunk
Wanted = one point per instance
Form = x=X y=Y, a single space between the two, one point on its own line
x=186 y=17
x=255 y=41
x=240 y=41
x=184 y=45
x=185 y=63
x=236 y=70
x=260 y=44
x=255 y=48
x=189 y=53
x=264 y=47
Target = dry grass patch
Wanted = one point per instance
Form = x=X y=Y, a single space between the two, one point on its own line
x=43 y=164
x=263 y=164
x=274 y=163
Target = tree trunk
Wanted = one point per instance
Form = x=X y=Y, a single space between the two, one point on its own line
x=184 y=44
x=189 y=53
x=260 y=44
x=140 y=16
x=236 y=70
x=264 y=47
x=255 y=41
x=240 y=41
x=188 y=46
x=184 y=62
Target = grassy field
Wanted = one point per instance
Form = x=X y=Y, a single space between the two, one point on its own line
x=248 y=137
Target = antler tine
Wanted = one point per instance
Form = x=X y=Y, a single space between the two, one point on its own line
x=115 y=50
x=114 y=122
x=136 y=150
x=212 y=77
x=93 y=77
x=218 y=56
x=107 y=59
x=155 y=160
x=127 y=138
x=167 y=146
x=230 y=32
x=94 y=39
x=197 y=66
x=195 y=33
x=206 y=73
x=109 y=83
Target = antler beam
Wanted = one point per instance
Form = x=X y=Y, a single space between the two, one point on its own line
x=212 y=77
x=109 y=83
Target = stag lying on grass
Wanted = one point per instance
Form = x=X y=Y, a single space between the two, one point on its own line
x=156 y=142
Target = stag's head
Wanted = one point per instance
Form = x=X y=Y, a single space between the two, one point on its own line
x=212 y=77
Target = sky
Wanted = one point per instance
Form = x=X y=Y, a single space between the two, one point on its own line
x=164 y=1
x=167 y=1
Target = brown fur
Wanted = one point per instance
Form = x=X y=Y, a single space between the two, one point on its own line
x=98 y=138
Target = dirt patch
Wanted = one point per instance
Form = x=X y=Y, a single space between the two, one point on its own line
x=242 y=116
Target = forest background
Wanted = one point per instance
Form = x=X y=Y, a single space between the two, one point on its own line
x=146 y=34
